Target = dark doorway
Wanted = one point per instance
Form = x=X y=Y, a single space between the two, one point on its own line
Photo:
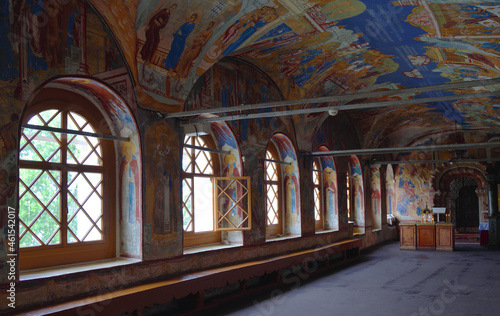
x=467 y=210
x=464 y=205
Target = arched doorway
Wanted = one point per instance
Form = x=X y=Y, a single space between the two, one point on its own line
x=464 y=205
x=462 y=190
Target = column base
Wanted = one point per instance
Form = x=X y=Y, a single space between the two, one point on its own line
x=494 y=242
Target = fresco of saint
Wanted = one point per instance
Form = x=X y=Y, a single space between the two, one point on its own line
x=235 y=190
x=330 y=191
x=179 y=42
x=129 y=178
x=155 y=25
x=291 y=187
x=162 y=155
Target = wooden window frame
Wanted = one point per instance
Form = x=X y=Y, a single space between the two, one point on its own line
x=274 y=229
x=220 y=186
x=68 y=253
x=318 y=197
x=191 y=238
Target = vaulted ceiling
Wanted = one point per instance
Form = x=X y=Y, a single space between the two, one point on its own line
x=316 y=48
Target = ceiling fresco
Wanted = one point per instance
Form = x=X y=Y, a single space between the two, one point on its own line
x=316 y=48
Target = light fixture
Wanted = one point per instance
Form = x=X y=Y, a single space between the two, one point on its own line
x=333 y=112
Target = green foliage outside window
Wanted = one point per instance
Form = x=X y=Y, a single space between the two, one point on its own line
x=40 y=209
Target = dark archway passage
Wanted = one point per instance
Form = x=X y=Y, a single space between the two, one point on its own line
x=464 y=205
x=467 y=210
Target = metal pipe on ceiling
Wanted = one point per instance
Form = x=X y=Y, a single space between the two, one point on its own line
x=432 y=161
x=212 y=150
x=322 y=171
x=374 y=151
x=344 y=97
x=278 y=161
x=74 y=132
x=356 y=106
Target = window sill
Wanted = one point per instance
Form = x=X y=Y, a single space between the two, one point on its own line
x=281 y=237
x=324 y=231
x=74 y=268
x=210 y=247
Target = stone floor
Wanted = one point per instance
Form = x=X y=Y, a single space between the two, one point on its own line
x=388 y=281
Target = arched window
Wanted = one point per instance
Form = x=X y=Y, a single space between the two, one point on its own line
x=272 y=180
x=198 y=166
x=325 y=192
x=66 y=188
x=282 y=188
x=318 y=196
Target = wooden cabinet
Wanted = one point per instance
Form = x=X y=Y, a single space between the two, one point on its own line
x=426 y=236
x=407 y=233
x=445 y=237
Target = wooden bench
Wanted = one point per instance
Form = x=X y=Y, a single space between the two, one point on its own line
x=136 y=298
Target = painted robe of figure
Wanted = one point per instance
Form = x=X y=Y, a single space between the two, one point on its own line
x=7 y=68
x=129 y=183
x=255 y=21
x=235 y=191
x=7 y=135
x=406 y=197
x=291 y=188
x=375 y=199
x=193 y=52
x=390 y=194
x=157 y=22
x=159 y=168
x=179 y=43
x=358 y=201
x=330 y=192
